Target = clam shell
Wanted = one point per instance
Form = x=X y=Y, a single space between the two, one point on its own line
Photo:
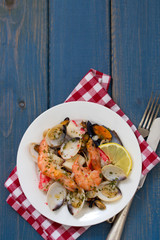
x=109 y=192
x=56 y=196
x=112 y=173
x=75 y=129
x=75 y=201
x=91 y=194
x=33 y=152
x=56 y=135
x=70 y=148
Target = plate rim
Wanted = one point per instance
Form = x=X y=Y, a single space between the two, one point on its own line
x=50 y=109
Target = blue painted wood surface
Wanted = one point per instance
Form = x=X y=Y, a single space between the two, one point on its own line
x=46 y=47
x=23 y=93
x=135 y=71
x=79 y=40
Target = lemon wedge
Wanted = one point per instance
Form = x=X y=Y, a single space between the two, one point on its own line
x=118 y=156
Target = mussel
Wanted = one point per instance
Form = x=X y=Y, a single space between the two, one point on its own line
x=97 y=202
x=116 y=138
x=56 y=196
x=102 y=132
x=98 y=133
x=100 y=204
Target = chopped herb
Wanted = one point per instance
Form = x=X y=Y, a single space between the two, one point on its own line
x=100 y=175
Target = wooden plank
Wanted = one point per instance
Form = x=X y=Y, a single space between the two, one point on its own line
x=135 y=27
x=79 y=36
x=79 y=40
x=23 y=92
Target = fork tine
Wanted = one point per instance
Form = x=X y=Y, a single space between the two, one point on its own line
x=152 y=117
x=149 y=112
x=157 y=112
x=144 y=115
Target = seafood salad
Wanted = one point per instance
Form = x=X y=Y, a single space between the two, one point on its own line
x=77 y=165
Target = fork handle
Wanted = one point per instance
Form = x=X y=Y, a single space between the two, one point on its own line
x=117 y=228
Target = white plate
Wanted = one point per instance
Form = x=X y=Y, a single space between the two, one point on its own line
x=27 y=168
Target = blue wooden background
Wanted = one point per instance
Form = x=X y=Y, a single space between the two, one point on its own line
x=46 y=47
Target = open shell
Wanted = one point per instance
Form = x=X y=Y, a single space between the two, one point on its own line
x=33 y=149
x=109 y=192
x=75 y=129
x=115 y=138
x=56 y=135
x=98 y=133
x=91 y=194
x=70 y=148
x=112 y=173
x=56 y=196
x=75 y=201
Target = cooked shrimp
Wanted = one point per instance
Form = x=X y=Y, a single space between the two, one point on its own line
x=85 y=178
x=94 y=161
x=49 y=168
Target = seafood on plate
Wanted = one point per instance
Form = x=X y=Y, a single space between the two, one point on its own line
x=74 y=170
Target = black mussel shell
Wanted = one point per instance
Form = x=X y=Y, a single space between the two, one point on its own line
x=90 y=129
x=115 y=138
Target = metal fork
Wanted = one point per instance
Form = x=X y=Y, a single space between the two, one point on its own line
x=149 y=115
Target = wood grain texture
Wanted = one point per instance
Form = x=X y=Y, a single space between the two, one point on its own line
x=79 y=40
x=32 y=78
x=135 y=27
x=23 y=93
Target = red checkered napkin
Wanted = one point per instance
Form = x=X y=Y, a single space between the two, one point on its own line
x=93 y=88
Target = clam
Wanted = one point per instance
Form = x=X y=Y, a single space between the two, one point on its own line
x=109 y=192
x=56 y=196
x=75 y=201
x=70 y=148
x=54 y=157
x=56 y=135
x=75 y=129
x=69 y=163
x=92 y=193
x=33 y=149
x=112 y=173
